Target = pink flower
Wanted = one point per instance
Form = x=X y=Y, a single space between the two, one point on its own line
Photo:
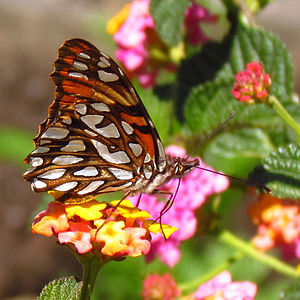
x=160 y=287
x=193 y=190
x=194 y=15
x=252 y=85
x=79 y=235
x=222 y=287
x=132 y=35
x=140 y=49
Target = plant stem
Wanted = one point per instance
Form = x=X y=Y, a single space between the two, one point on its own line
x=268 y=260
x=282 y=112
x=90 y=271
x=191 y=286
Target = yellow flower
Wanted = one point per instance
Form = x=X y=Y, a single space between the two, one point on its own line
x=116 y=22
x=115 y=229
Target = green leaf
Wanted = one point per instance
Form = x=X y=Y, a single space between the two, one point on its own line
x=210 y=104
x=62 y=289
x=292 y=293
x=160 y=112
x=168 y=16
x=257 y=44
x=280 y=171
x=220 y=63
x=237 y=153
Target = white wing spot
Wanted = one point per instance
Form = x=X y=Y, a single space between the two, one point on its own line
x=36 y=161
x=104 y=54
x=42 y=142
x=136 y=149
x=125 y=185
x=91 y=187
x=55 y=133
x=40 y=150
x=147 y=158
x=80 y=65
x=66 y=160
x=74 y=146
x=121 y=71
x=128 y=129
x=119 y=157
x=78 y=75
x=151 y=123
x=66 y=186
x=147 y=169
x=132 y=91
x=67 y=120
x=103 y=63
x=161 y=157
x=100 y=106
x=107 y=77
x=84 y=55
x=121 y=174
x=53 y=174
x=92 y=120
x=90 y=132
x=109 y=131
x=29 y=170
x=87 y=171
x=38 y=184
x=81 y=108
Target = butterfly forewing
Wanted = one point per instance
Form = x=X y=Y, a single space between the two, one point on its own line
x=98 y=136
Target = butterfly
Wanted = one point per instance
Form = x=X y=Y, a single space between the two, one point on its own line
x=98 y=137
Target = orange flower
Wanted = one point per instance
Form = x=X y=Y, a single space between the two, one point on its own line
x=112 y=229
x=278 y=221
x=51 y=220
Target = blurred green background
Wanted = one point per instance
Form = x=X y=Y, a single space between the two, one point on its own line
x=30 y=33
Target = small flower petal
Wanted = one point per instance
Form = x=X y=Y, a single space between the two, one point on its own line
x=50 y=221
x=79 y=235
x=155 y=227
x=127 y=210
x=90 y=210
x=113 y=236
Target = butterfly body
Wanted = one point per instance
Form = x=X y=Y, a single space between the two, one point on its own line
x=98 y=136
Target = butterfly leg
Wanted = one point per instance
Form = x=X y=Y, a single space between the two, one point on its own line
x=111 y=213
x=168 y=204
x=139 y=200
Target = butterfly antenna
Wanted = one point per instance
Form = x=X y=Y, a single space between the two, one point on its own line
x=245 y=181
x=214 y=132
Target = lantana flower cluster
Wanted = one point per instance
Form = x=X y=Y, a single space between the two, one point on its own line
x=140 y=49
x=278 y=223
x=108 y=229
x=221 y=287
x=252 y=85
x=194 y=188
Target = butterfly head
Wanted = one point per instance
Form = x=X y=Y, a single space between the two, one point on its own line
x=182 y=166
